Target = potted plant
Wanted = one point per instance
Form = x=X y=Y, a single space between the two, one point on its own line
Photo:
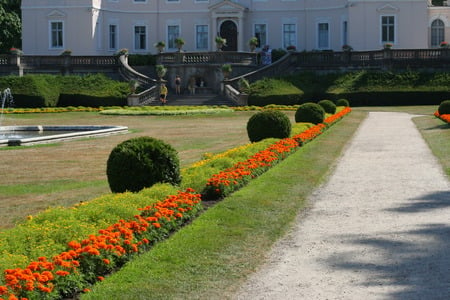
x=347 y=48
x=226 y=70
x=16 y=51
x=122 y=51
x=444 y=45
x=244 y=85
x=179 y=42
x=253 y=43
x=291 y=48
x=66 y=53
x=160 y=71
x=160 y=46
x=133 y=84
x=388 y=46
x=220 y=42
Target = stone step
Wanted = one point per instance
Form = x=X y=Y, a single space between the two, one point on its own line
x=194 y=100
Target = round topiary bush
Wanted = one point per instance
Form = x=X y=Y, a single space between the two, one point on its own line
x=328 y=106
x=268 y=124
x=141 y=162
x=444 y=107
x=342 y=102
x=310 y=113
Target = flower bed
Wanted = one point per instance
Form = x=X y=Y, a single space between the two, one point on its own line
x=445 y=118
x=86 y=262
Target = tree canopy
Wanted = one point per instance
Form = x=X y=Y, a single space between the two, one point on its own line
x=10 y=25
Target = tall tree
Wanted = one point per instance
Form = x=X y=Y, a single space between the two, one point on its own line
x=10 y=25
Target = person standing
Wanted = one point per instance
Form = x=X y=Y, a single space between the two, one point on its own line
x=163 y=94
x=178 y=85
x=192 y=84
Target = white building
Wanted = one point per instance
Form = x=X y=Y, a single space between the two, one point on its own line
x=102 y=27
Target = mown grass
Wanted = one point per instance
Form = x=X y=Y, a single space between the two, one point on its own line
x=209 y=258
x=437 y=135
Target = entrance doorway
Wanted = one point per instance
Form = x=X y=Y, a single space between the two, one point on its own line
x=228 y=31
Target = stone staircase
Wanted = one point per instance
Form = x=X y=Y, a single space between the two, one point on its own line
x=196 y=100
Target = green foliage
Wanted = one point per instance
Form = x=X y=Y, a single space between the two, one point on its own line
x=360 y=88
x=10 y=24
x=277 y=54
x=141 y=60
x=45 y=90
x=32 y=90
x=342 y=102
x=310 y=113
x=444 y=107
x=328 y=106
x=274 y=91
x=268 y=124
x=141 y=162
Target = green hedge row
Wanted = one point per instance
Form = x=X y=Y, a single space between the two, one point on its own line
x=49 y=90
x=361 y=88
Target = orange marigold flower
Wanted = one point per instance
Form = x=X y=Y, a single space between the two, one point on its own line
x=3 y=289
x=100 y=278
x=62 y=273
x=106 y=261
x=157 y=225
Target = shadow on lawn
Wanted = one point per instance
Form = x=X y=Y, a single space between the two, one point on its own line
x=444 y=126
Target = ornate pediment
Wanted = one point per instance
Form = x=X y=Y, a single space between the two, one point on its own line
x=227 y=6
x=56 y=13
x=388 y=8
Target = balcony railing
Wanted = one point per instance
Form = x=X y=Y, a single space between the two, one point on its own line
x=219 y=57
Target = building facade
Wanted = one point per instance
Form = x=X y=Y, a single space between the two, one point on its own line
x=103 y=27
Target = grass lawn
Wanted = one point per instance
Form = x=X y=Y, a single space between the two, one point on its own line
x=34 y=178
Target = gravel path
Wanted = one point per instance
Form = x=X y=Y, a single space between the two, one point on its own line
x=378 y=229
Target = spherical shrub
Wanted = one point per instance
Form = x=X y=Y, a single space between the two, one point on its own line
x=268 y=124
x=342 y=102
x=444 y=107
x=328 y=106
x=141 y=162
x=310 y=113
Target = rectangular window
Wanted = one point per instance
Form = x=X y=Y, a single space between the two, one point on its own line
x=261 y=35
x=345 y=33
x=201 y=36
x=323 y=36
x=387 y=29
x=56 y=35
x=112 y=37
x=173 y=31
x=140 y=38
x=289 y=35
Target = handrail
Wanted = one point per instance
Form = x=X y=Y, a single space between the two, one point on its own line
x=149 y=95
x=234 y=95
x=219 y=57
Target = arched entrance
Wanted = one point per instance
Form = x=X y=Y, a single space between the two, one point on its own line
x=228 y=30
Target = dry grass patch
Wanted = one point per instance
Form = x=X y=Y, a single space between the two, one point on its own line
x=84 y=160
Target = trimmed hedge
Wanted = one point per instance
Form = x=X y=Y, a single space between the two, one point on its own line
x=268 y=124
x=274 y=91
x=361 y=88
x=141 y=162
x=44 y=90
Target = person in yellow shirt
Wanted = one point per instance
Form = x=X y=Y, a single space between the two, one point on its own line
x=163 y=94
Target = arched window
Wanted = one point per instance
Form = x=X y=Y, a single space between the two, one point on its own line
x=437 y=32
